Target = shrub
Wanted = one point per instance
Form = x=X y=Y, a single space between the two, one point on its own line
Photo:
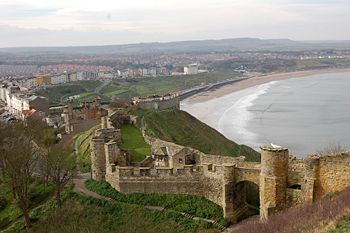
x=3 y=203
x=302 y=218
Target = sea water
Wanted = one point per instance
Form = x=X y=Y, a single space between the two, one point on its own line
x=306 y=114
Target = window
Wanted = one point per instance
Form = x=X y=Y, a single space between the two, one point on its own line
x=295 y=186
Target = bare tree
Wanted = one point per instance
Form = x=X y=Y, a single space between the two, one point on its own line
x=59 y=167
x=17 y=163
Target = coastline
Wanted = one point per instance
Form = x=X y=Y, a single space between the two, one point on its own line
x=255 y=81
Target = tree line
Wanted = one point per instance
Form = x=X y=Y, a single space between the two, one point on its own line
x=29 y=151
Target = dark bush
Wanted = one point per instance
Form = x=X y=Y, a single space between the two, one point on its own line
x=3 y=203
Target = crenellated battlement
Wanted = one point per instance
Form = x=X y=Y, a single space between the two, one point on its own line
x=189 y=171
x=281 y=180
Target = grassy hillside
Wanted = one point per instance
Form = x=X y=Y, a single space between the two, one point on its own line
x=126 y=89
x=194 y=205
x=87 y=214
x=162 y=85
x=83 y=145
x=343 y=226
x=183 y=129
x=59 y=93
x=9 y=210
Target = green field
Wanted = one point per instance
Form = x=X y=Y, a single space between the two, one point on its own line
x=162 y=85
x=126 y=89
x=183 y=129
x=61 y=92
x=134 y=143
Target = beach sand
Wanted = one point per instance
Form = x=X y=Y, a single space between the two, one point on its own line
x=257 y=80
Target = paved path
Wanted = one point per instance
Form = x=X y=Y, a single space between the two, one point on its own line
x=79 y=187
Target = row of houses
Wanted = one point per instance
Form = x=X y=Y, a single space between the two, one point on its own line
x=43 y=79
x=21 y=104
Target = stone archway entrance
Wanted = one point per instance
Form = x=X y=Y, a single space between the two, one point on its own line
x=246 y=200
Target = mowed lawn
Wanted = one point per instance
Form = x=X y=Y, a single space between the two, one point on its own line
x=134 y=143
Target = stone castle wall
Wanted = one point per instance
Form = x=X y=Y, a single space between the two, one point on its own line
x=161 y=104
x=332 y=174
x=296 y=172
x=283 y=181
x=207 y=180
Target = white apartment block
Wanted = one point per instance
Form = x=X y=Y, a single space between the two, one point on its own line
x=191 y=69
x=58 y=79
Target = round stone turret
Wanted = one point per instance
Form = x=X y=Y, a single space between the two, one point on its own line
x=273 y=179
x=274 y=161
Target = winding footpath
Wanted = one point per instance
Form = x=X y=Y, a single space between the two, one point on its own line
x=79 y=187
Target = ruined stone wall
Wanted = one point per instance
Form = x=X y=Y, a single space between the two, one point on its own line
x=296 y=172
x=221 y=160
x=160 y=105
x=333 y=174
x=207 y=180
x=294 y=197
x=104 y=145
x=160 y=180
x=98 y=158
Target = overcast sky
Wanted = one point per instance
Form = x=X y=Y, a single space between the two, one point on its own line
x=99 y=22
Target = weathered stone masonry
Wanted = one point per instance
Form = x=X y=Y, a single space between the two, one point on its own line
x=283 y=181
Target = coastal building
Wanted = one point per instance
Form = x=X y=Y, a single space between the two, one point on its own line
x=191 y=69
x=43 y=79
x=58 y=79
x=156 y=102
x=19 y=103
x=72 y=77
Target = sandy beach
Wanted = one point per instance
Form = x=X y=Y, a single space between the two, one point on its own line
x=257 y=80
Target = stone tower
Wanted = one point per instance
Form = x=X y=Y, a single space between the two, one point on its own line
x=98 y=159
x=68 y=117
x=105 y=151
x=273 y=179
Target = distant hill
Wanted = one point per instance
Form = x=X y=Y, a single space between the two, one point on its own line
x=182 y=128
x=186 y=46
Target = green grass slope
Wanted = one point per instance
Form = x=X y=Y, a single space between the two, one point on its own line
x=83 y=143
x=126 y=89
x=134 y=143
x=86 y=214
x=61 y=92
x=183 y=129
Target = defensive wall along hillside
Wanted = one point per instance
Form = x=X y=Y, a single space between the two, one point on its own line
x=281 y=181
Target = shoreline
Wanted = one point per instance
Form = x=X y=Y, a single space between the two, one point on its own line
x=255 y=81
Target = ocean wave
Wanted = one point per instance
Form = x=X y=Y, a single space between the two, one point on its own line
x=234 y=120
